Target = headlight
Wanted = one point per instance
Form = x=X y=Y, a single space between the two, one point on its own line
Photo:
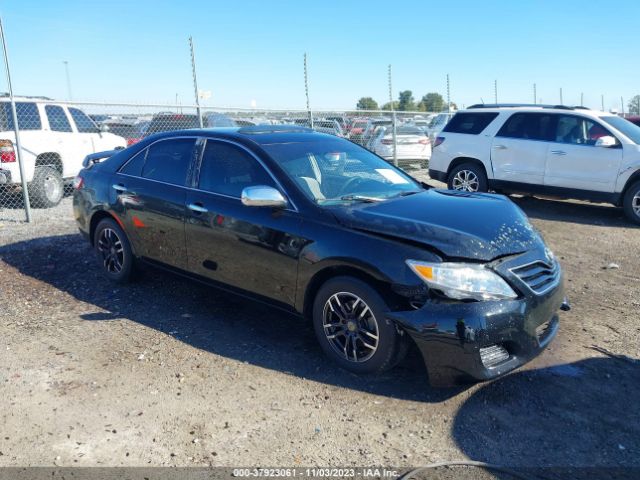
x=463 y=281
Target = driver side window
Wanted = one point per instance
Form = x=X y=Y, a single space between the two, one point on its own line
x=227 y=170
x=579 y=131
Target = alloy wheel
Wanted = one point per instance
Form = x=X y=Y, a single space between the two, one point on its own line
x=465 y=180
x=112 y=251
x=350 y=327
x=635 y=203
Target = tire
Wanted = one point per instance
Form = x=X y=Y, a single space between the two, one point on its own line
x=46 y=189
x=113 y=251
x=347 y=292
x=631 y=203
x=468 y=177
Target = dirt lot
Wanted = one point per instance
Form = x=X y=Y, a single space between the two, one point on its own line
x=169 y=372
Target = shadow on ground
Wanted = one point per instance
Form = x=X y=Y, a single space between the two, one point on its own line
x=572 y=212
x=205 y=318
x=582 y=414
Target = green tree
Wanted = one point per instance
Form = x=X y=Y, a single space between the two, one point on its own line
x=406 y=101
x=387 y=106
x=634 y=105
x=367 y=103
x=431 y=102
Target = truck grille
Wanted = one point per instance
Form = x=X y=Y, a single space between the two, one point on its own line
x=539 y=276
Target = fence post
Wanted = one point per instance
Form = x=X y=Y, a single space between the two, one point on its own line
x=14 y=116
x=195 y=82
x=393 y=120
x=306 y=91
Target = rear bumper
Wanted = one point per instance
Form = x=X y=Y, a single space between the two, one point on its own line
x=450 y=335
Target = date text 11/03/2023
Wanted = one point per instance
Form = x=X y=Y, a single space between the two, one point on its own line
x=315 y=472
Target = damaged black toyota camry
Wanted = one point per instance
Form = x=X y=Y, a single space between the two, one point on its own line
x=323 y=228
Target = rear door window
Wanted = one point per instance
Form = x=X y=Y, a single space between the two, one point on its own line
x=471 y=123
x=169 y=160
x=529 y=126
x=58 y=121
x=27 y=113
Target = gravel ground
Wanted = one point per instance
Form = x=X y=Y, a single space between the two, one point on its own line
x=169 y=372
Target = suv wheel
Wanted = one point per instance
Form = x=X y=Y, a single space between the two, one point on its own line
x=113 y=251
x=350 y=324
x=47 y=188
x=468 y=177
x=631 y=203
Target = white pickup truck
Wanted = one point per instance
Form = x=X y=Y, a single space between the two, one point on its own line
x=55 y=139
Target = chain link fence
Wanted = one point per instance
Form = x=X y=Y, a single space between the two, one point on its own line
x=55 y=137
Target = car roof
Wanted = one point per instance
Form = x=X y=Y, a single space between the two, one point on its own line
x=256 y=134
x=536 y=108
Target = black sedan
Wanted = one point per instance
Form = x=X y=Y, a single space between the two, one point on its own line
x=318 y=226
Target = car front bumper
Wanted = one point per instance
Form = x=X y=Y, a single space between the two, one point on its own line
x=450 y=336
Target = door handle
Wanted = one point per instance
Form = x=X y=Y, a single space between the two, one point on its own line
x=197 y=208
x=500 y=147
x=558 y=152
x=118 y=187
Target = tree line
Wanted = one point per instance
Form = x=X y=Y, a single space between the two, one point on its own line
x=431 y=102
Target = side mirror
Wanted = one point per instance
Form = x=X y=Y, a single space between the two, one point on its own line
x=606 y=141
x=262 y=196
x=104 y=128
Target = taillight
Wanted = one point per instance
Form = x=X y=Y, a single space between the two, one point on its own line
x=424 y=141
x=438 y=141
x=131 y=141
x=78 y=183
x=7 y=153
x=386 y=142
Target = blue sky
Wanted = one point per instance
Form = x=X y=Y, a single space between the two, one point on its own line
x=252 y=50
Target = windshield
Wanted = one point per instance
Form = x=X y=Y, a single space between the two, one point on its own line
x=337 y=171
x=625 y=127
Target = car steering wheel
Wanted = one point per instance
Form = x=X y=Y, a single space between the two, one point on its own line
x=351 y=183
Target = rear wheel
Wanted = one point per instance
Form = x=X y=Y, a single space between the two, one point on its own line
x=631 y=203
x=468 y=177
x=350 y=324
x=113 y=251
x=47 y=188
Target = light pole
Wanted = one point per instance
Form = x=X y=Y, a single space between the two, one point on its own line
x=66 y=70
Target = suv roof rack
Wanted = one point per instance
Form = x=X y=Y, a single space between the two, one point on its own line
x=34 y=97
x=257 y=129
x=531 y=105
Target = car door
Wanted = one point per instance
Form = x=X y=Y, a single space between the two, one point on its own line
x=149 y=193
x=519 y=149
x=88 y=132
x=64 y=140
x=247 y=247
x=574 y=160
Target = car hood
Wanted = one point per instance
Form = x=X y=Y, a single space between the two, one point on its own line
x=474 y=226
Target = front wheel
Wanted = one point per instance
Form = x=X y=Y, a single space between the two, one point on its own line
x=350 y=324
x=631 y=203
x=468 y=177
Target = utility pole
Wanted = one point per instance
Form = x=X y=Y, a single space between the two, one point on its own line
x=602 y=102
x=306 y=90
x=535 y=95
x=393 y=114
x=495 y=91
x=582 y=99
x=195 y=82
x=66 y=69
x=561 y=96
x=622 y=106
x=16 y=129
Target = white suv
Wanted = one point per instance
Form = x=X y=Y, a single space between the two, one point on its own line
x=55 y=139
x=550 y=150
